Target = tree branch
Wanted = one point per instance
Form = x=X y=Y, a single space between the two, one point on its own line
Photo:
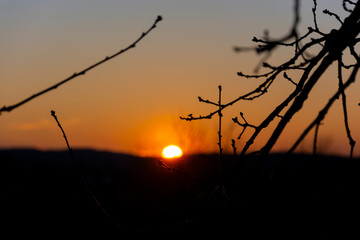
x=323 y=112
x=76 y=166
x=82 y=72
x=336 y=42
x=343 y=97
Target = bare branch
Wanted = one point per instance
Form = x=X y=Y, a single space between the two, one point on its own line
x=354 y=54
x=76 y=166
x=289 y=79
x=207 y=101
x=323 y=112
x=244 y=125
x=219 y=133
x=334 y=47
x=280 y=107
x=314 y=14
x=333 y=15
x=315 y=137
x=346 y=121
x=64 y=135
x=271 y=76
x=82 y=72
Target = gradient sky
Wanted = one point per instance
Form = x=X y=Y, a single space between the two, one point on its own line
x=132 y=103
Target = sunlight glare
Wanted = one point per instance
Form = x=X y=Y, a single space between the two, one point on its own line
x=171 y=151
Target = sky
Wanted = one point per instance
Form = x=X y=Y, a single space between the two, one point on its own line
x=132 y=103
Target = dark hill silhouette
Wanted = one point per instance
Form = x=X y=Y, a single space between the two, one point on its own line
x=42 y=195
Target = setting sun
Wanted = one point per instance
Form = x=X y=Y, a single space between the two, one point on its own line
x=171 y=151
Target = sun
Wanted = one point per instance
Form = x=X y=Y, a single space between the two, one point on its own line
x=171 y=151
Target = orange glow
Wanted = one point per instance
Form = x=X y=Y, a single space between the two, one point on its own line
x=171 y=151
x=132 y=103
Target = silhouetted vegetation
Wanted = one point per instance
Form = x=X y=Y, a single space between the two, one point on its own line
x=293 y=196
x=311 y=65
x=291 y=190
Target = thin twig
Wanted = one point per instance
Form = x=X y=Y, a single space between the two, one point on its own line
x=333 y=14
x=76 y=166
x=343 y=97
x=315 y=138
x=314 y=14
x=289 y=79
x=64 y=135
x=244 y=125
x=82 y=72
x=220 y=136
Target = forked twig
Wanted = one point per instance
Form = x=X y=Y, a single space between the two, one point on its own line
x=244 y=125
x=82 y=72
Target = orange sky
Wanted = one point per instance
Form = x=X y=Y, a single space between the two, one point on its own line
x=132 y=103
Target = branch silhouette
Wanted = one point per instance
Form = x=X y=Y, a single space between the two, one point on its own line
x=219 y=188
x=311 y=68
x=321 y=115
x=344 y=105
x=76 y=166
x=335 y=44
x=82 y=72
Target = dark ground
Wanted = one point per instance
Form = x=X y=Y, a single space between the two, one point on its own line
x=309 y=198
